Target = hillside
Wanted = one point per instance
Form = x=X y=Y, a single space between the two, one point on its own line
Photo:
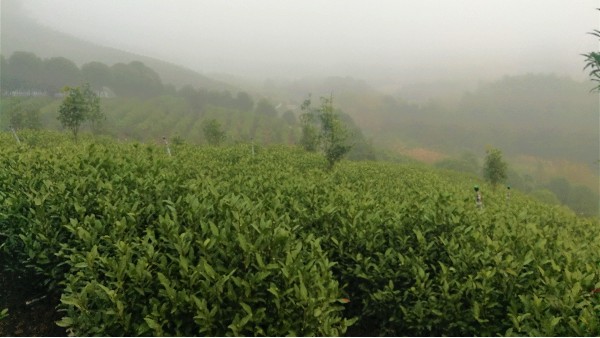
x=546 y=124
x=226 y=241
x=528 y=114
x=20 y=33
x=523 y=115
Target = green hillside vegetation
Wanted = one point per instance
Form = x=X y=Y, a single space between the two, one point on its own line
x=226 y=241
x=545 y=124
x=139 y=106
x=148 y=119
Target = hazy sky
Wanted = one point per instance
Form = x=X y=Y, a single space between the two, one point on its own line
x=368 y=39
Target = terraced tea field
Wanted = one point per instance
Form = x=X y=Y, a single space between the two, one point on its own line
x=231 y=241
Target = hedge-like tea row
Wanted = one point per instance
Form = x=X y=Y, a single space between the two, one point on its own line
x=218 y=241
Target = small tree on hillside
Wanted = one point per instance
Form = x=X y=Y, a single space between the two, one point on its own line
x=310 y=134
x=494 y=169
x=21 y=114
x=322 y=128
x=213 y=133
x=333 y=133
x=80 y=104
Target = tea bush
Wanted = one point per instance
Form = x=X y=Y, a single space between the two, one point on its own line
x=227 y=241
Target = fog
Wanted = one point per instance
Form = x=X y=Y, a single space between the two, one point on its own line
x=385 y=41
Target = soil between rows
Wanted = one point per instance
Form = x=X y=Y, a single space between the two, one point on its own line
x=35 y=319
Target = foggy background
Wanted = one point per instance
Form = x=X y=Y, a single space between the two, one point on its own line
x=381 y=41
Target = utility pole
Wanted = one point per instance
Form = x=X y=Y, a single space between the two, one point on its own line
x=15 y=135
x=167 y=145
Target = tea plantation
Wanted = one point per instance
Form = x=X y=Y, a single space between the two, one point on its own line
x=231 y=241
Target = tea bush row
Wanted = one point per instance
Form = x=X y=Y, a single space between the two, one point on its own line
x=218 y=241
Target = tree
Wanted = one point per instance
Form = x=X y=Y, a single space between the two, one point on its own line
x=80 y=104
x=310 y=134
x=97 y=74
x=135 y=79
x=23 y=71
x=213 y=133
x=494 y=169
x=592 y=60
x=60 y=72
x=322 y=128
x=20 y=113
x=333 y=133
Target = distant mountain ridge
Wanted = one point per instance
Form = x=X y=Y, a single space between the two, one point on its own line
x=20 y=33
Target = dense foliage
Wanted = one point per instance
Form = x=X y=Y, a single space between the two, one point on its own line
x=79 y=105
x=226 y=241
x=494 y=167
x=323 y=129
x=213 y=133
x=501 y=113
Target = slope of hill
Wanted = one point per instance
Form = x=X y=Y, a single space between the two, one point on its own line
x=19 y=33
x=227 y=241
x=182 y=115
x=543 y=117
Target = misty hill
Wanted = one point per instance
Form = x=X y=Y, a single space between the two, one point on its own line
x=532 y=114
x=546 y=124
x=20 y=33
